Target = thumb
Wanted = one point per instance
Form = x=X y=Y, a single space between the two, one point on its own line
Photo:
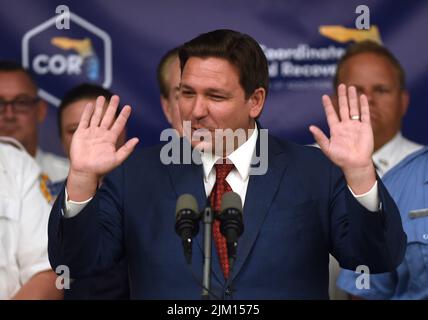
x=320 y=138
x=126 y=150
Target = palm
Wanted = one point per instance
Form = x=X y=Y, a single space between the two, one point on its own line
x=93 y=148
x=351 y=141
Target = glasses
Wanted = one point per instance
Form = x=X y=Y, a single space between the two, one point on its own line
x=20 y=105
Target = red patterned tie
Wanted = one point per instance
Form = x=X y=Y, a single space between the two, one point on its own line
x=220 y=187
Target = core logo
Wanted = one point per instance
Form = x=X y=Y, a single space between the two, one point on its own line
x=63 y=58
x=69 y=64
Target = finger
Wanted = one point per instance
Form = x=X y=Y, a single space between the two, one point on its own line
x=320 y=138
x=343 y=103
x=330 y=113
x=110 y=112
x=365 y=109
x=126 y=150
x=99 y=106
x=86 y=116
x=353 y=102
x=121 y=120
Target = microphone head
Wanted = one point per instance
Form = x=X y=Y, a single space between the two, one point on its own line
x=231 y=200
x=186 y=201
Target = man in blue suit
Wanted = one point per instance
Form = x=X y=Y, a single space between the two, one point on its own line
x=303 y=207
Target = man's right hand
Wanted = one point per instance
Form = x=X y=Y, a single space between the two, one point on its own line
x=93 y=147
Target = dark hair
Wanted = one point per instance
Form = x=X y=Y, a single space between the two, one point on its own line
x=13 y=66
x=239 y=49
x=162 y=75
x=369 y=46
x=80 y=92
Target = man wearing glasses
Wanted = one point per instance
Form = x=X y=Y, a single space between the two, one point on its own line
x=21 y=111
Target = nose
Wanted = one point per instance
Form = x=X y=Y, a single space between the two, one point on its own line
x=8 y=112
x=200 y=108
x=370 y=98
x=369 y=94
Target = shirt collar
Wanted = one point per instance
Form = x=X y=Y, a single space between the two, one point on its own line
x=240 y=157
x=383 y=156
x=39 y=155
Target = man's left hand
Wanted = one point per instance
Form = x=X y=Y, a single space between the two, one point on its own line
x=351 y=138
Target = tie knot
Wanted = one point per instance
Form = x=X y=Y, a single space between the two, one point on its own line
x=223 y=169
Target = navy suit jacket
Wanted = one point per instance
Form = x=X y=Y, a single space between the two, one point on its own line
x=295 y=215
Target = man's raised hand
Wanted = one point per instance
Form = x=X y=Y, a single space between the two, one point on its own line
x=351 y=143
x=93 y=150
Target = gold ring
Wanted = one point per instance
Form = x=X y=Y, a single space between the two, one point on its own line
x=355 y=117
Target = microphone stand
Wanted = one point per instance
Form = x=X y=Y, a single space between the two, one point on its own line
x=207 y=220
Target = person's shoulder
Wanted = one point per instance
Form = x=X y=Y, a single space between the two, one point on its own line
x=409 y=146
x=144 y=159
x=407 y=142
x=298 y=152
x=12 y=149
x=145 y=154
x=413 y=165
x=14 y=159
x=6 y=142
x=54 y=159
x=414 y=159
x=54 y=166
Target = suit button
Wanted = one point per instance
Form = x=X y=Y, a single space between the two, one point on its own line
x=228 y=291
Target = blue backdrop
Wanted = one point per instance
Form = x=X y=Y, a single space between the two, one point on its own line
x=118 y=44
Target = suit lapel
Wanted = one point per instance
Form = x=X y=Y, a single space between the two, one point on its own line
x=260 y=193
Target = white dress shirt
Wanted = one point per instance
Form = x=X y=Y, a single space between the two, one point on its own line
x=24 y=215
x=239 y=176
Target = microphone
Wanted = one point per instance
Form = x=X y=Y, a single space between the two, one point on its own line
x=187 y=222
x=231 y=225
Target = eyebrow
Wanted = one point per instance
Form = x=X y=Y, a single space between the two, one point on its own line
x=217 y=91
x=19 y=96
x=208 y=90
x=184 y=86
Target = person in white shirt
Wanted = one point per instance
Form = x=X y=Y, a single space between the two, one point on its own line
x=23 y=112
x=25 y=272
x=377 y=73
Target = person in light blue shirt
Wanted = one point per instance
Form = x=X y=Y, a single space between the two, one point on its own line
x=408 y=186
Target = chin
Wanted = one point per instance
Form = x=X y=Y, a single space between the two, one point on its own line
x=8 y=132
